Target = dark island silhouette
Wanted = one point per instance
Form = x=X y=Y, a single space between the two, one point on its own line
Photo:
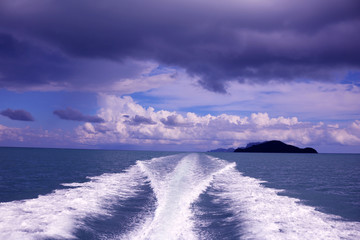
x=274 y=146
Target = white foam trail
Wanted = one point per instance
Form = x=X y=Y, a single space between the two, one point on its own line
x=263 y=214
x=58 y=214
x=177 y=183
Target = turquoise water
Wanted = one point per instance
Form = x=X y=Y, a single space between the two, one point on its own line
x=98 y=194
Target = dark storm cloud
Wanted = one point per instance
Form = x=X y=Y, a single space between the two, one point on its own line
x=23 y=64
x=217 y=42
x=20 y=115
x=75 y=115
x=137 y=120
x=27 y=65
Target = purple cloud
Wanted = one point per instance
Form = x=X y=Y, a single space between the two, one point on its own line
x=173 y=121
x=75 y=115
x=170 y=121
x=137 y=120
x=238 y=41
x=20 y=115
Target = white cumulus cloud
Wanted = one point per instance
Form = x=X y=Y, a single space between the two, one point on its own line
x=127 y=122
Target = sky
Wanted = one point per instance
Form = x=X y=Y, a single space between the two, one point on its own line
x=180 y=75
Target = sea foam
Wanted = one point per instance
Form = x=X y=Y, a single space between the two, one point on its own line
x=59 y=214
x=177 y=183
x=260 y=213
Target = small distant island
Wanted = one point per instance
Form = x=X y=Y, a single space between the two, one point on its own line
x=223 y=150
x=273 y=146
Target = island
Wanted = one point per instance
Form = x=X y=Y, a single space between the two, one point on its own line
x=275 y=146
x=223 y=150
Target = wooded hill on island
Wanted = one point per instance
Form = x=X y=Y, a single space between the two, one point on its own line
x=275 y=147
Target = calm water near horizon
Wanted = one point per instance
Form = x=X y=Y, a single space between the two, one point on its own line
x=105 y=194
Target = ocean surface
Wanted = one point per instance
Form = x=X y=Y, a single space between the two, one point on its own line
x=102 y=194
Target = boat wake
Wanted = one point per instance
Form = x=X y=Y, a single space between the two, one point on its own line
x=59 y=214
x=186 y=188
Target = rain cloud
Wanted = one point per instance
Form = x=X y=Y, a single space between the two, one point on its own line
x=75 y=115
x=243 y=41
x=20 y=115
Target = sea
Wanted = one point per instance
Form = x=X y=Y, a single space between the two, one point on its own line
x=106 y=194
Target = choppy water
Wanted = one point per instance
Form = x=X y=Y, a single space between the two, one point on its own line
x=86 y=194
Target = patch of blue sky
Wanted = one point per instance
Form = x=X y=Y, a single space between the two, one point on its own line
x=240 y=108
x=215 y=110
x=199 y=110
x=145 y=100
x=162 y=69
x=352 y=77
x=270 y=92
x=160 y=103
x=327 y=89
